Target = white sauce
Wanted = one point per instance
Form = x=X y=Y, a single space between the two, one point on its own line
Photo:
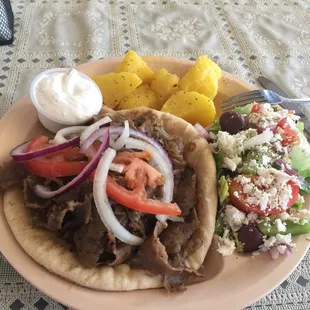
x=67 y=96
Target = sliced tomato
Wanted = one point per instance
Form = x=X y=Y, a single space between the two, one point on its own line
x=288 y=131
x=138 y=175
x=137 y=200
x=135 y=166
x=64 y=163
x=255 y=108
x=239 y=200
x=125 y=158
x=291 y=141
x=289 y=135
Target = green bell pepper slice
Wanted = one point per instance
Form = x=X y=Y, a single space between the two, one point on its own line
x=293 y=227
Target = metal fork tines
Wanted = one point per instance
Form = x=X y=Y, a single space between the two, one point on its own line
x=246 y=98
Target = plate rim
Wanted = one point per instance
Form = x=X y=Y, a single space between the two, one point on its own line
x=56 y=294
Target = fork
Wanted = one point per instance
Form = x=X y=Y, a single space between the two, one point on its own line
x=262 y=95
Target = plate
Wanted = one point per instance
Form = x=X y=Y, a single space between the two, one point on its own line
x=232 y=282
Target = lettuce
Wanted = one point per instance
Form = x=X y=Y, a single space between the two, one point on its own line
x=220 y=226
x=300 y=126
x=214 y=127
x=300 y=162
x=239 y=245
x=257 y=155
x=222 y=189
x=219 y=159
x=245 y=110
x=298 y=204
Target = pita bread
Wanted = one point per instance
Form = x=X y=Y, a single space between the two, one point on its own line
x=54 y=254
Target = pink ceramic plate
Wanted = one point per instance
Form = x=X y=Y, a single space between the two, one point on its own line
x=232 y=283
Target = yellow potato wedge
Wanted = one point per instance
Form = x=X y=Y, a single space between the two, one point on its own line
x=143 y=96
x=115 y=86
x=192 y=107
x=164 y=84
x=202 y=77
x=134 y=63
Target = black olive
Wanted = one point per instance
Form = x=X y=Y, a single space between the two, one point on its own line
x=251 y=237
x=232 y=122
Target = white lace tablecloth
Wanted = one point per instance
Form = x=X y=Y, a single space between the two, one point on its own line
x=245 y=37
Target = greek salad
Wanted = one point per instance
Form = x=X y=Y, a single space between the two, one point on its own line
x=263 y=168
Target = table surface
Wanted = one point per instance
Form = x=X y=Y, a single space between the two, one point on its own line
x=245 y=37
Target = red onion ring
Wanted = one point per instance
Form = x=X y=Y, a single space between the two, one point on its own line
x=19 y=153
x=121 y=141
x=137 y=134
x=60 y=135
x=99 y=133
x=288 y=251
x=93 y=127
x=45 y=192
x=274 y=253
x=290 y=171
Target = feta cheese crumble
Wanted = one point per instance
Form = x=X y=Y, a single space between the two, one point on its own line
x=252 y=217
x=271 y=241
x=304 y=214
x=280 y=225
x=231 y=163
x=232 y=146
x=235 y=218
x=260 y=139
x=284 y=239
x=268 y=117
x=226 y=246
x=282 y=249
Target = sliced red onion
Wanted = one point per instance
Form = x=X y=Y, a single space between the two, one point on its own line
x=274 y=252
x=20 y=154
x=137 y=134
x=62 y=133
x=263 y=248
x=102 y=201
x=117 y=167
x=96 y=135
x=45 y=192
x=212 y=136
x=92 y=128
x=290 y=171
x=121 y=141
x=288 y=251
x=202 y=131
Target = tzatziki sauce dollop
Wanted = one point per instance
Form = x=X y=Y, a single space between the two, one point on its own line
x=67 y=96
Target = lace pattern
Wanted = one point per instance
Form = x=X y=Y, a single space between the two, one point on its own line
x=245 y=37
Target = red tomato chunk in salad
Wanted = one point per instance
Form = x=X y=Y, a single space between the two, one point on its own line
x=263 y=168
